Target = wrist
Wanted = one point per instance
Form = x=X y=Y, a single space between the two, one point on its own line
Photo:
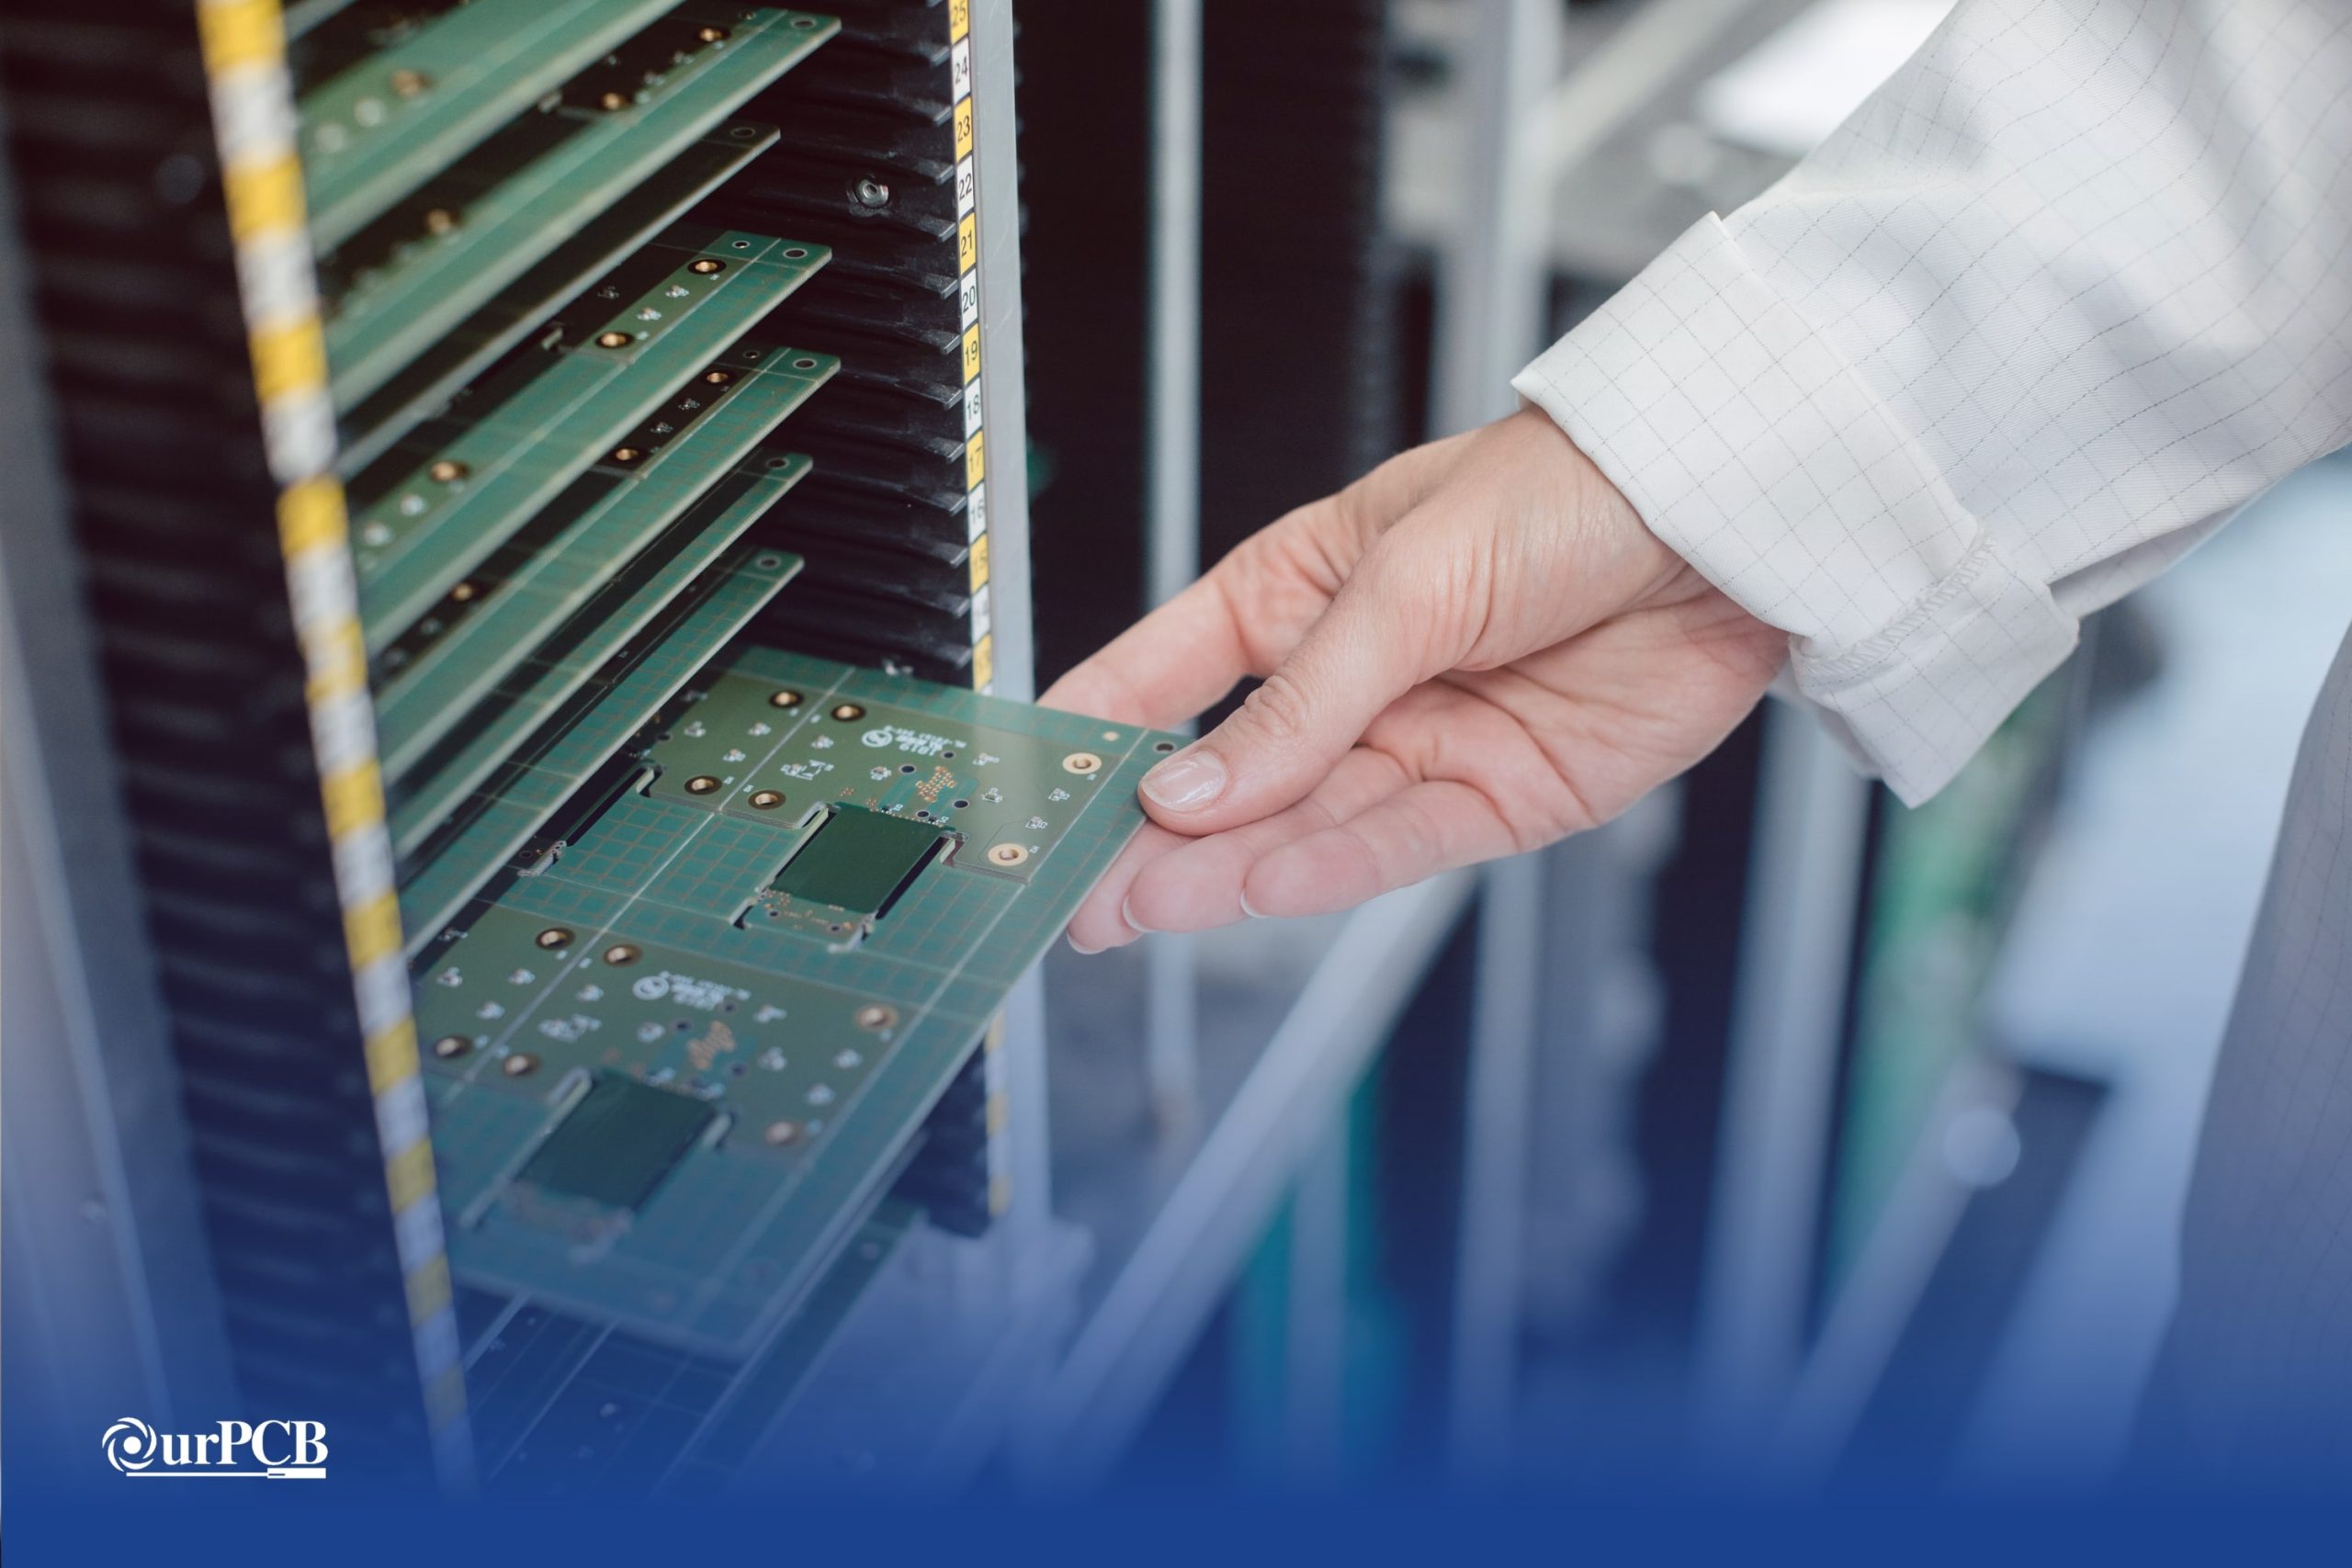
x=1613 y=543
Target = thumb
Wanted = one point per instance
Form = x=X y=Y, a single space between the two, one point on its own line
x=1372 y=644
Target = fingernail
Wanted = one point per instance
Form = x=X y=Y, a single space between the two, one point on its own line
x=1127 y=913
x=1078 y=946
x=1186 y=781
x=1246 y=909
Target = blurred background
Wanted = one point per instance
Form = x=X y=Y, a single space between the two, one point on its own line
x=1775 y=1135
x=1775 y=1128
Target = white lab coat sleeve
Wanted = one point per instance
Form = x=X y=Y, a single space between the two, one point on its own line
x=2072 y=287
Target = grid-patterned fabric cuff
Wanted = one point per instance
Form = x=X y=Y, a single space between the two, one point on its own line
x=1751 y=448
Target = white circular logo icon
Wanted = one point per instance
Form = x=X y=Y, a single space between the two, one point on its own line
x=876 y=737
x=652 y=988
x=130 y=1444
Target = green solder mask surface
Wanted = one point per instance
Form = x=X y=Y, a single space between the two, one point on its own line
x=802 y=920
x=392 y=93
x=399 y=284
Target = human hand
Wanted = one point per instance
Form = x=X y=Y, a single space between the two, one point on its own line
x=1475 y=650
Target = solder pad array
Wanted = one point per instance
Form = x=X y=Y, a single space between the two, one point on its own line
x=665 y=945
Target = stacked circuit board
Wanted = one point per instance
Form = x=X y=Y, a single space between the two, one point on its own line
x=701 y=973
x=675 y=1061
x=463 y=404
x=895 y=522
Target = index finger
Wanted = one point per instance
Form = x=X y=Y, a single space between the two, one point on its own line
x=1166 y=668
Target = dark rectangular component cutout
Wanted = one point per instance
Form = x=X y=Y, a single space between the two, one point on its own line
x=859 y=861
x=618 y=1144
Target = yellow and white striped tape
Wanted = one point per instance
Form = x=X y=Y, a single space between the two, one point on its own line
x=254 y=122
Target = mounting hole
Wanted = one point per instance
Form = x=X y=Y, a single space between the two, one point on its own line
x=447 y=472
x=905 y=767
x=1163 y=746
x=622 y=953
x=845 y=712
x=626 y=454
x=554 y=937
x=961 y=804
x=1082 y=762
x=768 y=563
x=804 y=362
x=451 y=1046
x=521 y=1064
x=779 y=1134
x=1008 y=854
x=784 y=699
x=804 y=23
x=701 y=784
x=767 y=800
x=706 y=265
x=796 y=252
x=876 y=1016
x=612 y=340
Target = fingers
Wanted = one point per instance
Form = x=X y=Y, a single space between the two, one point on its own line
x=1253 y=606
x=1166 y=667
x=1386 y=631
x=1198 y=883
x=1099 y=923
x=1413 y=834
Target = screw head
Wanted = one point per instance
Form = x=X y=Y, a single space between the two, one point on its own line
x=870 y=192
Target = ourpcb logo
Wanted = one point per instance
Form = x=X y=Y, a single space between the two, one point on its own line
x=272 y=1451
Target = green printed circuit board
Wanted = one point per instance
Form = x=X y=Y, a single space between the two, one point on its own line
x=675 y=1054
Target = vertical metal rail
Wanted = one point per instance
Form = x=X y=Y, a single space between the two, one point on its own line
x=1315 y=1334
x=1492 y=289
x=1788 y=1010
x=1172 y=494
x=1001 y=505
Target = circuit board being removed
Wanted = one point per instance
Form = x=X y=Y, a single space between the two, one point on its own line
x=672 y=1062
